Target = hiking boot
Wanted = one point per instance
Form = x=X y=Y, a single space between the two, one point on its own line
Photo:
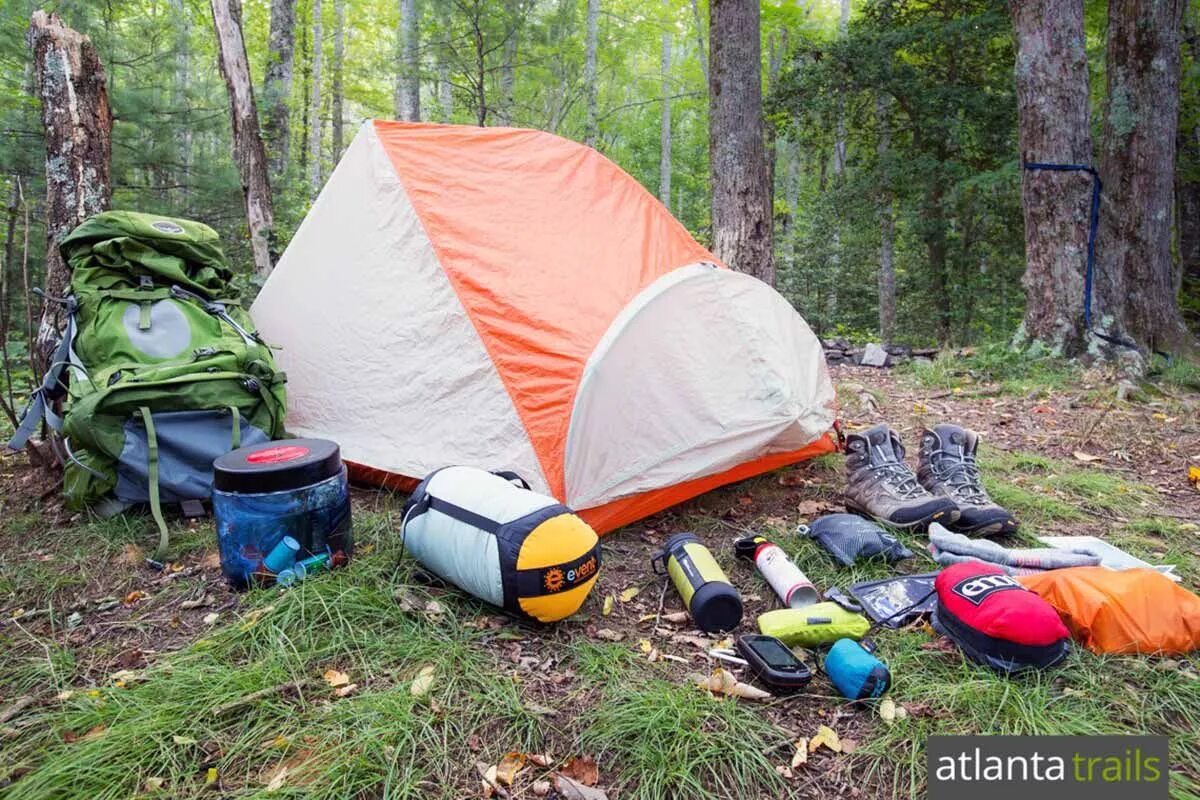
x=880 y=485
x=947 y=468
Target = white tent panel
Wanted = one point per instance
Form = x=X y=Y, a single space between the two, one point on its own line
x=381 y=357
x=705 y=369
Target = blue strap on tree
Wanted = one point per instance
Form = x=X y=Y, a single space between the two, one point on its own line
x=1093 y=227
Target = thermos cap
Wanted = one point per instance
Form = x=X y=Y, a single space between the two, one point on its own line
x=716 y=607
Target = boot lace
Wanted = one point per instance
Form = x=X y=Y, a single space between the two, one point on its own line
x=899 y=478
x=961 y=474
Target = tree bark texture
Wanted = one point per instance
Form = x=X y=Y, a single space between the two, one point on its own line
x=339 y=58
x=408 y=77
x=741 y=189
x=664 y=140
x=1134 y=281
x=248 y=149
x=315 y=98
x=589 y=72
x=277 y=86
x=1052 y=108
x=1187 y=185
x=69 y=79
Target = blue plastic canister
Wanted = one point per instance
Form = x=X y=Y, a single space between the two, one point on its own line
x=263 y=493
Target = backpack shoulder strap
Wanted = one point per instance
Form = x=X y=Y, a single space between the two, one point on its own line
x=39 y=402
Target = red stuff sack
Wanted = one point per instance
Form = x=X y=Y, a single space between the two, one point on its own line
x=996 y=621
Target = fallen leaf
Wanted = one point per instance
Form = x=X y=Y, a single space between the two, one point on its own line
x=132 y=555
x=811 y=508
x=64 y=695
x=722 y=682
x=512 y=763
x=606 y=608
x=154 y=784
x=645 y=646
x=582 y=769
x=210 y=777
x=540 y=759
x=336 y=678
x=211 y=560
x=574 y=790
x=423 y=682
x=630 y=593
x=801 y=754
x=609 y=635
x=133 y=598
x=541 y=788
x=183 y=740
x=849 y=746
x=887 y=710
x=826 y=737
x=276 y=782
x=434 y=609
x=488 y=774
x=347 y=690
x=1086 y=457
x=211 y=618
x=676 y=617
x=1194 y=476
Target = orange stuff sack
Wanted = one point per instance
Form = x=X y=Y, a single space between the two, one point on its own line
x=1121 y=611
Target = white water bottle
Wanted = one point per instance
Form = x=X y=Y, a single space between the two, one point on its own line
x=789 y=582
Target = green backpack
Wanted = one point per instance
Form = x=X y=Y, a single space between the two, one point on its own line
x=162 y=368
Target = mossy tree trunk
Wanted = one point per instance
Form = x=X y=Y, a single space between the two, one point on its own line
x=1052 y=106
x=1135 y=287
x=742 y=208
x=77 y=119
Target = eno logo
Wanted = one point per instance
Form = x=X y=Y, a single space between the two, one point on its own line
x=976 y=589
x=166 y=226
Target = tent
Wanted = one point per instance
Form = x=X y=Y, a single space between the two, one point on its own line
x=509 y=299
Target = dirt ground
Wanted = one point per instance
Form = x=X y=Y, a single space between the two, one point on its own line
x=94 y=599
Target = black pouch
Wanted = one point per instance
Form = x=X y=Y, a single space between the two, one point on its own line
x=848 y=537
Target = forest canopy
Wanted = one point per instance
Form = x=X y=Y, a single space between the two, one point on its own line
x=891 y=128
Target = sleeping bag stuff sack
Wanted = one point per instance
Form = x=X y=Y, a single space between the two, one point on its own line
x=996 y=621
x=501 y=542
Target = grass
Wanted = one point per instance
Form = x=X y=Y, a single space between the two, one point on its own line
x=653 y=734
x=1013 y=372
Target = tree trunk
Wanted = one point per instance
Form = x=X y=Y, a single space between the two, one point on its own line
x=1187 y=185
x=248 y=149
x=589 y=72
x=339 y=57
x=1135 y=288
x=838 y=169
x=701 y=45
x=887 y=224
x=445 y=90
x=314 y=100
x=69 y=79
x=1052 y=107
x=408 y=77
x=664 y=142
x=277 y=86
x=306 y=96
x=741 y=199
x=508 y=67
x=182 y=100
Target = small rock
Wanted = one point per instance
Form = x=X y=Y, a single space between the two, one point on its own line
x=874 y=356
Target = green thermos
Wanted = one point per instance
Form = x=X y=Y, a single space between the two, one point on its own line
x=711 y=600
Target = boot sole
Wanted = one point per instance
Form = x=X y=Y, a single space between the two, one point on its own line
x=946 y=518
x=989 y=529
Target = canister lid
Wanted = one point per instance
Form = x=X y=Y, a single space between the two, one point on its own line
x=277 y=466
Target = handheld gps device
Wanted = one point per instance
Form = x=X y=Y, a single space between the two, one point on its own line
x=773 y=663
